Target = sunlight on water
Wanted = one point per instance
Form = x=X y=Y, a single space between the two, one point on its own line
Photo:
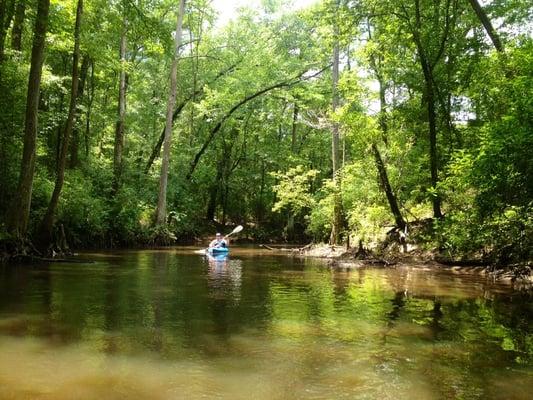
x=172 y=325
x=279 y=370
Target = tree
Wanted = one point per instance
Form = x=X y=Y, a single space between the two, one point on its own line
x=121 y=115
x=7 y=9
x=20 y=209
x=430 y=25
x=18 y=25
x=434 y=122
x=335 y=151
x=161 y=211
x=375 y=62
x=48 y=219
x=75 y=143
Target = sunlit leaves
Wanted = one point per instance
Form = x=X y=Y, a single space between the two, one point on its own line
x=292 y=189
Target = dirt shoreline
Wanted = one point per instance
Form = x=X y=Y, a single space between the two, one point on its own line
x=340 y=257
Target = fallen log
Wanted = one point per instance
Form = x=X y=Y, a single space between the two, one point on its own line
x=292 y=250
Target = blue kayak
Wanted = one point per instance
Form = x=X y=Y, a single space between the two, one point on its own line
x=217 y=258
x=218 y=250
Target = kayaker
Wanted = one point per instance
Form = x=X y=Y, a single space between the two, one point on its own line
x=218 y=242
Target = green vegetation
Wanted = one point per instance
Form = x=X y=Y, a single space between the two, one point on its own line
x=343 y=120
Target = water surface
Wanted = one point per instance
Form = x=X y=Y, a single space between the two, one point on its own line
x=171 y=324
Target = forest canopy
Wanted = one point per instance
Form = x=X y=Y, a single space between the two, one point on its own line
x=144 y=121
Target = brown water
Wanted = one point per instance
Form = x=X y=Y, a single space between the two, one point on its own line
x=172 y=324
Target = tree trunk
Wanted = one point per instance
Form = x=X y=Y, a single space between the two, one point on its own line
x=213 y=194
x=3 y=7
x=48 y=220
x=20 y=210
x=427 y=70
x=289 y=228
x=383 y=111
x=88 y=116
x=75 y=144
x=380 y=165
x=7 y=9
x=212 y=203
x=227 y=167
x=225 y=196
x=432 y=120
x=157 y=148
x=119 y=129
x=293 y=131
x=59 y=128
x=385 y=184
x=195 y=63
x=260 y=206
x=432 y=123
x=335 y=154
x=18 y=25
x=480 y=12
x=161 y=210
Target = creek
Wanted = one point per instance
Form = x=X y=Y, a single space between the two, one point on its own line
x=171 y=324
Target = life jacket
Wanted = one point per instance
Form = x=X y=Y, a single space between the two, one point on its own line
x=221 y=243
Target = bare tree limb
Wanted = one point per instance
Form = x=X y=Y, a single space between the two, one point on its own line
x=291 y=82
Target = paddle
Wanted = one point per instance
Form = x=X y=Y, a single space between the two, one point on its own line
x=237 y=229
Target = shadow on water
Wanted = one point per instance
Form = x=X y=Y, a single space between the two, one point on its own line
x=165 y=324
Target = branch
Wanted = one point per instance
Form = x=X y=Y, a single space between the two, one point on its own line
x=444 y=35
x=216 y=128
x=157 y=148
x=482 y=15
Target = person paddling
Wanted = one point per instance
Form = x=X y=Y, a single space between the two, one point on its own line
x=218 y=242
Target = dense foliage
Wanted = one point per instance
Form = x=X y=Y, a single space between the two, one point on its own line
x=435 y=121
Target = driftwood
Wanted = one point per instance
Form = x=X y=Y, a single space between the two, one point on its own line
x=307 y=246
x=379 y=261
x=293 y=250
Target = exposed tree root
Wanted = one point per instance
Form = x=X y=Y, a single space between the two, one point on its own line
x=25 y=250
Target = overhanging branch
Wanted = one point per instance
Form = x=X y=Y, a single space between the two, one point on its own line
x=291 y=82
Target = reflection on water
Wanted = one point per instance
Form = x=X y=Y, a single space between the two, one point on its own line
x=224 y=277
x=176 y=325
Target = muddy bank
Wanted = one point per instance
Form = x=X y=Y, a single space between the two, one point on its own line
x=342 y=257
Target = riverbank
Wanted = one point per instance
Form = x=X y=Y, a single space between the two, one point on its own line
x=387 y=252
x=341 y=257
